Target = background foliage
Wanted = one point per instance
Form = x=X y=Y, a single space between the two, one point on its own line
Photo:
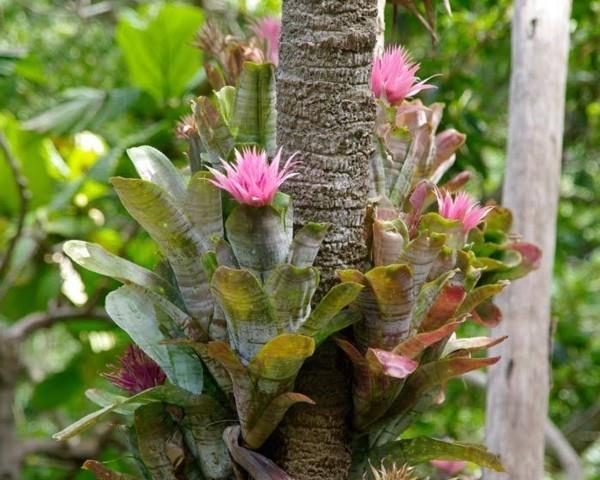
x=79 y=84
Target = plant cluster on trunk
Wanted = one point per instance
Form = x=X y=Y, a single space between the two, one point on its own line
x=259 y=356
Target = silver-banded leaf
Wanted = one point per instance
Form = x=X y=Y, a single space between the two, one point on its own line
x=386 y=304
x=203 y=206
x=104 y=399
x=419 y=148
x=158 y=213
x=214 y=133
x=421 y=254
x=159 y=442
x=423 y=449
x=255 y=112
x=161 y=393
x=137 y=314
x=259 y=237
x=155 y=167
x=96 y=259
x=251 y=319
x=290 y=290
x=204 y=422
x=306 y=244
x=388 y=241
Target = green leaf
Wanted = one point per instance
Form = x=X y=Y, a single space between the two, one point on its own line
x=250 y=316
x=161 y=393
x=81 y=109
x=479 y=295
x=306 y=244
x=103 y=473
x=259 y=237
x=226 y=102
x=155 y=167
x=320 y=324
x=157 y=47
x=255 y=112
x=280 y=359
x=427 y=297
x=96 y=259
x=419 y=450
x=158 y=213
x=271 y=416
x=290 y=290
x=203 y=206
x=137 y=314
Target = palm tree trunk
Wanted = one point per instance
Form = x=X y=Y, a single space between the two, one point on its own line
x=326 y=112
x=518 y=388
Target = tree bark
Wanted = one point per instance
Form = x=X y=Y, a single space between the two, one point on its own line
x=10 y=451
x=518 y=388
x=326 y=112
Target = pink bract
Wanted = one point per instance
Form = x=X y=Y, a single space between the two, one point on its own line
x=252 y=180
x=269 y=30
x=393 y=76
x=462 y=207
x=136 y=372
x=449 y=467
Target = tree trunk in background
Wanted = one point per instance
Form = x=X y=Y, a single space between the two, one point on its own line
x=10 y=453
x=518 y=387
x=326 y=112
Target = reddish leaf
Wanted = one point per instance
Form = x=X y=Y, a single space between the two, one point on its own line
x=444 y=308
x=414 y=346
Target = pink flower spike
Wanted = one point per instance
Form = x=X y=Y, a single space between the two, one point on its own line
x=136 y=372
x=449 y=467
x=252 y=180
x=393 y=76
x=268 y=29
x=462 y=207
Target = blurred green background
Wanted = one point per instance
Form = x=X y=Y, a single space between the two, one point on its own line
x=81 y=81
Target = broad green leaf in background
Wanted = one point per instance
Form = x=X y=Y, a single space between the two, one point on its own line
x=157 y=45
x=33 y=154
x=81 y=109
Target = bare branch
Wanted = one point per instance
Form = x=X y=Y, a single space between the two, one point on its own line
x=24 y=197
x=38 y=320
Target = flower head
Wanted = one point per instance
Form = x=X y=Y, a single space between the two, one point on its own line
x=393 y=76
x=449 y=467
x=462 y=207
x=268 y=29
x=252 y=179
x=136 y=372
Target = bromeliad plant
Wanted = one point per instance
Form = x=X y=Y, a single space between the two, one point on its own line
x=229 y=315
